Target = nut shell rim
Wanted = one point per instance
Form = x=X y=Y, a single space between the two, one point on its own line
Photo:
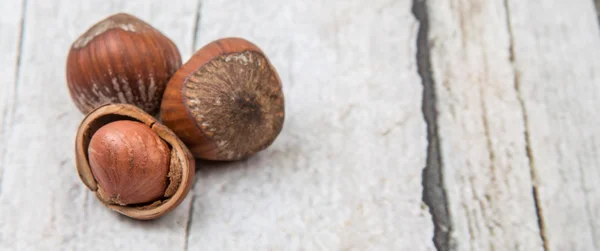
x=124 y=111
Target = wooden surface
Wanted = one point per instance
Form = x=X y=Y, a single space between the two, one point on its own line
x=480 y=126
x=559 y=99
x=411 y=125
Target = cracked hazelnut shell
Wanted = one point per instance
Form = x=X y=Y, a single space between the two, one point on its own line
x=226 y=102
x=121 y=59
x=178 y=177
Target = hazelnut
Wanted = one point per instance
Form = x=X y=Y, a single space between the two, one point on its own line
x=121 y=59
x=134 y=164
x=226 y=102
x=130 y=163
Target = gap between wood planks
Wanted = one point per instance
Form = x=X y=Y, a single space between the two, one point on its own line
x=190 y=218
x=8 y=113
x=196 y=26
x=597 y=4
x=188 y=226
x=434 y=193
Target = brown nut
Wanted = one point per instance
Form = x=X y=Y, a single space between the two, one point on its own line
x=121 y=154
x=226 y=102
x=130 y=163
x=121 y=59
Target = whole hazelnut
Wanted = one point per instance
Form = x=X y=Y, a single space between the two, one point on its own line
x=121 y=59
x=130 y=163
x=226 y=102
x=134 y=164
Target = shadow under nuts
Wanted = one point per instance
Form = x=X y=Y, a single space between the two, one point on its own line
x=121 y=59
x=134 y=164
x=226 y=102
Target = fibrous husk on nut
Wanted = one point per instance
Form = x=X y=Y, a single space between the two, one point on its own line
x=226 y=102
x=182 y=164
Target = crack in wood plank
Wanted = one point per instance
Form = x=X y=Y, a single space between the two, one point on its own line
x=8 y=113
x=196 y=26
x=538 y=208
x=434 y=194
x=491 y=154
x=470 y=230
x=190 y=218
x=188 y=227
x=597 y=5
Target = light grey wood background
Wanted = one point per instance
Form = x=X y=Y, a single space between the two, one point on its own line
x=411 y=125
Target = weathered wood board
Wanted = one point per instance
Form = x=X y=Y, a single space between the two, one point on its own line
x=11 y=20
x=480 y=128
x=557 y=66
x=410 y=125
x=346 y=171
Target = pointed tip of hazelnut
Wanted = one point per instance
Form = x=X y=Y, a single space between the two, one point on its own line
x=123 y=21
x=120 y=59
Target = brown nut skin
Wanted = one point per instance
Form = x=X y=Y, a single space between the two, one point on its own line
x=130 y=162
x=180 y=176
x=226 y=102
x=121 y=59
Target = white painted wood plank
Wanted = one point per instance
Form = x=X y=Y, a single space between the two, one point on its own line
x=481 y=128
x=11 y=13
x=345 y=173
x=44 y=204
x=557 y=58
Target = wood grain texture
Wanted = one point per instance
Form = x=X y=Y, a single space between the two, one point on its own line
x=481 y=129
x=44 y=204
x=345 y=173
x=557 y=64
x=11 y=24
x=516 y=84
